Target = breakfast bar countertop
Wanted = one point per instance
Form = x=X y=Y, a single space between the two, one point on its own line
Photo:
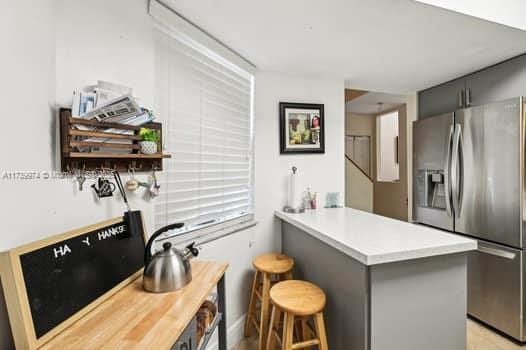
x=373 y=239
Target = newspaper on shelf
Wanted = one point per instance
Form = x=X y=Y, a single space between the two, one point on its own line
x=108 y=102
x=105 y=91
x=114 y=109
x=92 y=98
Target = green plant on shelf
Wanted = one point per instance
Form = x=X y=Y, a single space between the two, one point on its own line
x=149 y=135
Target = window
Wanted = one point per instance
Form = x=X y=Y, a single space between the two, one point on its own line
x=206 y=105
x=387 y=147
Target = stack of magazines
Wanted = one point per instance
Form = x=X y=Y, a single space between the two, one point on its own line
x=111 y=103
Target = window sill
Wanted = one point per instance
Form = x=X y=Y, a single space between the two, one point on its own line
x=211 y=233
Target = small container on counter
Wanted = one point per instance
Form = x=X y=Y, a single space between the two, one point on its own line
x=313 y=200
x=309 y=199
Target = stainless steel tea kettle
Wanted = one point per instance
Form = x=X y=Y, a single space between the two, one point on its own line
x=168 y=269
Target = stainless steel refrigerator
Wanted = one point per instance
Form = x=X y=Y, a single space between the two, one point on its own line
x=468 y=171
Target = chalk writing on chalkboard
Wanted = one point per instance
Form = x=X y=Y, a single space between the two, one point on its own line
x=63 y=278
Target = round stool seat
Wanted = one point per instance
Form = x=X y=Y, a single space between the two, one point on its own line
x=298 y=297
x=273 y=263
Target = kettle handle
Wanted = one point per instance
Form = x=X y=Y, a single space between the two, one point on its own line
x=148 y=249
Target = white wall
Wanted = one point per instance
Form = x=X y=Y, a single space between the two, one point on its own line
x=108 y=40
x=27 y=68
x=98 y=40
x=40 y=67
x=321 y=172
x=36 y=58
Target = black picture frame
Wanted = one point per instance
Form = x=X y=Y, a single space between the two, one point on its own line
x=301 y=148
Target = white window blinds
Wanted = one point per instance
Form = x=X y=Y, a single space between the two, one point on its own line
x=206 y=109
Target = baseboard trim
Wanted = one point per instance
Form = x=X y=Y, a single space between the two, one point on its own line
x=234 y=334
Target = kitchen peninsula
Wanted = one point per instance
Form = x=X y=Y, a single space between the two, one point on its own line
x=389 y=284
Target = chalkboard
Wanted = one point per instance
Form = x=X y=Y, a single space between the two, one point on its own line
x=65 y=276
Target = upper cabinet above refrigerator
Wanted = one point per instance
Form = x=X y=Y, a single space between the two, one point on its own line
x=495 y=83
x=498 y=83
x=445 y=98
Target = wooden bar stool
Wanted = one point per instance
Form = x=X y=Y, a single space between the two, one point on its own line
x=298 y=301
x=270 y=269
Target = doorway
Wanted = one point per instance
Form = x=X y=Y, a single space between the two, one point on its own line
x=376 y=177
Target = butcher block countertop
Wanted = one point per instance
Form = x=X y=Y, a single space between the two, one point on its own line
x=135 y=319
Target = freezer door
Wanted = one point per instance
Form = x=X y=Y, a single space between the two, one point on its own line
x=486 y=172
x=432 y=139
x=495 y=275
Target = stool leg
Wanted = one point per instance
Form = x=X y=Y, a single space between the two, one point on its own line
x=288 y=331
x=251 y=305
x=274 y=325
x=265 y=304
x=288 y=275
x=305 y=332
x=320 y=331
x=297 y=330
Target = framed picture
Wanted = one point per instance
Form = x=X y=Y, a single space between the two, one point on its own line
x=302 y=128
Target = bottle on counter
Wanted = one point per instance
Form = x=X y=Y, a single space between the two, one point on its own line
x=306 y=200
x=309 y=199
x=313 y=200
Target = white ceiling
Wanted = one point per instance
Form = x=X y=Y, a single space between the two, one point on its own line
x=368 y=103
x=507 y=12
x=383 y=45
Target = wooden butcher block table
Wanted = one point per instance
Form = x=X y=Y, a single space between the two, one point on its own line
x=135 y=319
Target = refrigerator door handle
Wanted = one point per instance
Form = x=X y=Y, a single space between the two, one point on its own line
x=447 y=172
x=496 y=252
x=460 y=160
x=456 y=170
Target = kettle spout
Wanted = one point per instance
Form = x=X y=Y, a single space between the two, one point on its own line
x=190 y=251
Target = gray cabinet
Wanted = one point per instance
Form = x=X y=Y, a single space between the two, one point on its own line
x=441 y=99
x=496 y=83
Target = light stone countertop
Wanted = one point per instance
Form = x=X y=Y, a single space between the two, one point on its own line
x=373 y=239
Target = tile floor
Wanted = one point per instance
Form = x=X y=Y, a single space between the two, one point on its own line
x=479 y=337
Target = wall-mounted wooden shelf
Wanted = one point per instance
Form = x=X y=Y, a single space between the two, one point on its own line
x=116 y=155
x=79 y=150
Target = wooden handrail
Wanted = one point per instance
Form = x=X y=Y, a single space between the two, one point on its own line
x=359 y=168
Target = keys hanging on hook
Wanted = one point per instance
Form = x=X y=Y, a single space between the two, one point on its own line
x=154 y=188
x=81 y=179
